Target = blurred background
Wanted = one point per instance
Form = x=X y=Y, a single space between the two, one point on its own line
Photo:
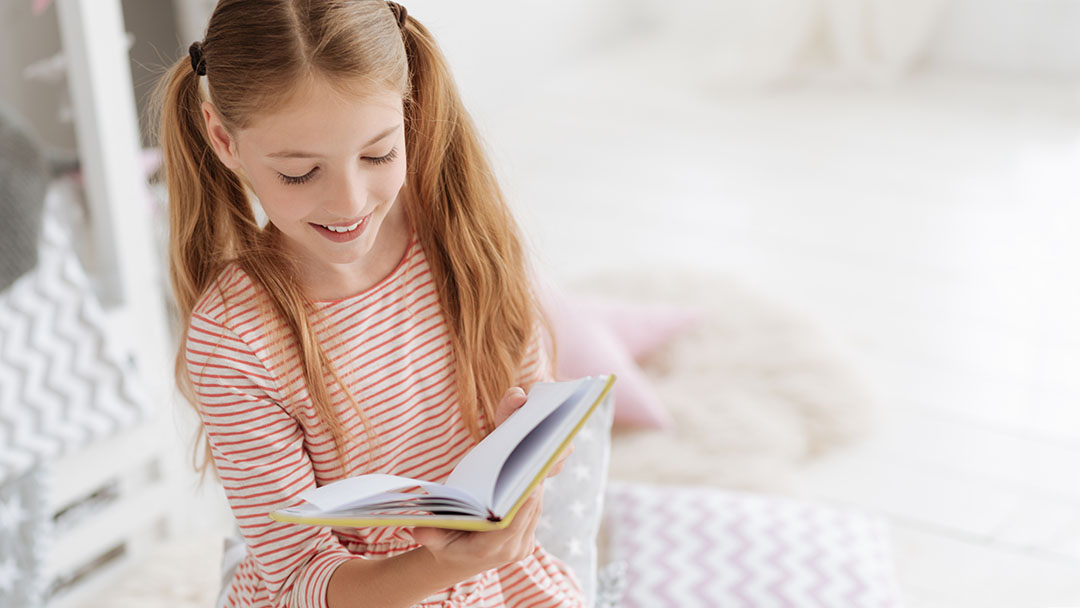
x=901 y=174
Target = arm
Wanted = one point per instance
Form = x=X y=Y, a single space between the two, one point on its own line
x=446 y=557
x=258 y=449
x=528 y=575
x=402 y=580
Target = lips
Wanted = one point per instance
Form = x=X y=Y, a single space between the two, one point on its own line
x=342 y=232
x=342 y=227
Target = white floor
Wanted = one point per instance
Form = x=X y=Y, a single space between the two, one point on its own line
x=929 y=227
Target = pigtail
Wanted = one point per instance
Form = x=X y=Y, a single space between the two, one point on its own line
x=212 y=223
x=468 y=234
x=210 y=216
x=209 y=213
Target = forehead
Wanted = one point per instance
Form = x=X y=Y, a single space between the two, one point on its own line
x=317 y=116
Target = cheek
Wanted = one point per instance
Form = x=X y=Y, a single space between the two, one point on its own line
x=390 y=183
x=281 y=204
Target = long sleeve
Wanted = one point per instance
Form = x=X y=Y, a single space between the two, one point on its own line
x=391 y=349
x=258 y=449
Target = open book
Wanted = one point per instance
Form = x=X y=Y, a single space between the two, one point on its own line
x=485 y=490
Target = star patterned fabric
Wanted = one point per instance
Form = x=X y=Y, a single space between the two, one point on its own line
x=573 y=500
x=23 y=538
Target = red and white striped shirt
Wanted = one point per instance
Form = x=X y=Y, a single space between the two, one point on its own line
x=390 y=346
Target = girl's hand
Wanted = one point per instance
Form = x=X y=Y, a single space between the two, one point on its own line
x=469 y=553
x=474 y=552
x=511 y=401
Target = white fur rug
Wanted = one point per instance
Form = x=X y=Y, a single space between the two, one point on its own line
x=754 y=390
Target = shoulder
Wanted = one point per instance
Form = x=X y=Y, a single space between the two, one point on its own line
x=224 y=332
x=231 y=313
x=232 y=286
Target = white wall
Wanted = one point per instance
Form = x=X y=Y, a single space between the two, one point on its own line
x=741 y=42
x=494 y=47
x=499 y=49
x=1020 y=36
x=25 y=39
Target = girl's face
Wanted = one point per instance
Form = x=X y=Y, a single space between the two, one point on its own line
x=327 y=170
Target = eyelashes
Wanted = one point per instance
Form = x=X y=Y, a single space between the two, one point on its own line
x=290 y=180
x=382 y=160
x=296 y=181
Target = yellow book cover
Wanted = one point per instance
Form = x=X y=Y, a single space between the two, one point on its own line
x=485 y=489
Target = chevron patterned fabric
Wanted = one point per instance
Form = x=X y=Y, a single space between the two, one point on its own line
x=63 y=380
x=700 y=547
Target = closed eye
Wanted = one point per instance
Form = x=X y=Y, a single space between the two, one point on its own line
x=382 y=160
x=301 y=179
x=296 y=181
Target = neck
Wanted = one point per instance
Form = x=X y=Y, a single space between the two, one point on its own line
x=324 y=282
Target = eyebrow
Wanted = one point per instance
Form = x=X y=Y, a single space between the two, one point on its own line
x=302 y=154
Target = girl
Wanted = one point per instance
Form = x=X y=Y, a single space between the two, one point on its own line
x=376 y=320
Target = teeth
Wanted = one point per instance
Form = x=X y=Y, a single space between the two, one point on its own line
x=342 y=228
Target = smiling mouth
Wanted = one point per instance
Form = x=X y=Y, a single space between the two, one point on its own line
x=341 y=233
x=339 y=229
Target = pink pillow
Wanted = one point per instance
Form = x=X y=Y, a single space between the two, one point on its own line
x=600 y=336
x=640 y=328
x=699 y=546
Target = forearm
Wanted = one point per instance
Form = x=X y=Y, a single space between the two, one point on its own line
x=399 y=581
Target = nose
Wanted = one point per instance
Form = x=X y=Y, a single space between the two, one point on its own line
x=349 y=196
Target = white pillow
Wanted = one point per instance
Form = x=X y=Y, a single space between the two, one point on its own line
x=574 y=500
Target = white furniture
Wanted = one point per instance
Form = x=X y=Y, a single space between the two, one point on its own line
x=125 y=483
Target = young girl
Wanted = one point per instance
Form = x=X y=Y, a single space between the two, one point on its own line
x=374 y=323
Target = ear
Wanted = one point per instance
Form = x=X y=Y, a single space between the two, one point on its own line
x=223 y=143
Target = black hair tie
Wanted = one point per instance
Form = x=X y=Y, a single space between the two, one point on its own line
x=400 y=14
x=198 y=64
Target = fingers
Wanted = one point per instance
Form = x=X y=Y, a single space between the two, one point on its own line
x=485 y=550
x=433 y=538
x=528 y=536
x=424 y=536
x=561 y=462
x=557 y=468
x=538 y=507
x=512 y=399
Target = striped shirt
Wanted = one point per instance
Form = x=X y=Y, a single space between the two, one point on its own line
x=390 y=346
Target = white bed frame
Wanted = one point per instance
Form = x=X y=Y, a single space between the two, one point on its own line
x=131 y=481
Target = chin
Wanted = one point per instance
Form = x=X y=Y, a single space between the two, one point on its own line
x=353 y=254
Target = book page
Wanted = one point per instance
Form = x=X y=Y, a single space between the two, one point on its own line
x=501 y=469
x=526 y=461
x=390 y=503
x=478 y=472
x=355 y=491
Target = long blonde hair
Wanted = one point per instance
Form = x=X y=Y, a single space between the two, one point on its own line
x=255 y=50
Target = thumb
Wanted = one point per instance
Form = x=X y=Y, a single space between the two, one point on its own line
x=511 y=401
x=432 y=538
x=425 y=536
